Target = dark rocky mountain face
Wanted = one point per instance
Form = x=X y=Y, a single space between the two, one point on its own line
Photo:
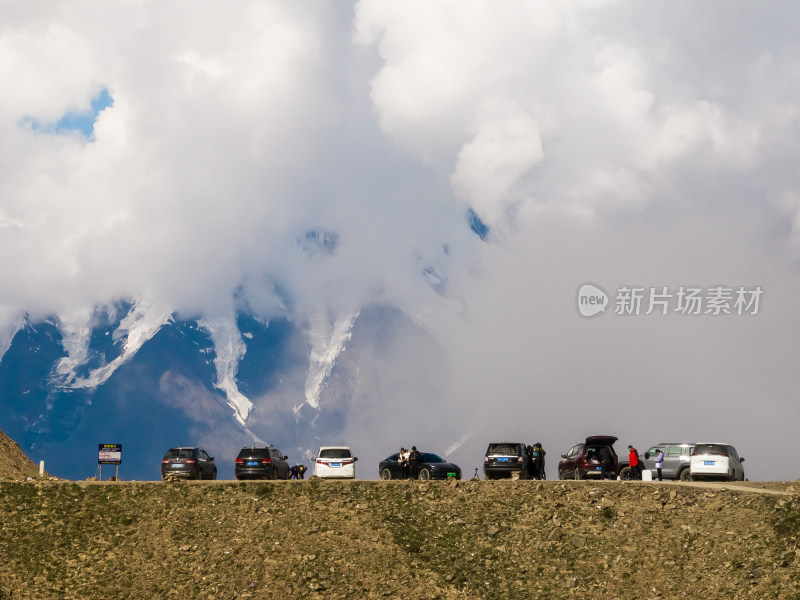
x=167 y=393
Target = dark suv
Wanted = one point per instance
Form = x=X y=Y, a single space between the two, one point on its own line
x=262 y=463
x=188 y=463
x=583 y=459
x=502 y=459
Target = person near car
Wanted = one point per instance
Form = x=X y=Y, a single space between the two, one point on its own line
x=537 y=460
x=403 y=460
x=526 y=470
x=606 y=462
x=413 y=462
x=659 y=463
x=634 y=463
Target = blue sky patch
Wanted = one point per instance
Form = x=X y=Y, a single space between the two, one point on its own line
x=78 y=122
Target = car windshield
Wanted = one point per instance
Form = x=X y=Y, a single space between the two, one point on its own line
x=427 y=457
x=335 y=453
x=180 y=453
x=253 y=453
x=710 y=449
x=503 y=449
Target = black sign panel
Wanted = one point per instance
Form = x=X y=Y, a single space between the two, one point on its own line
x=109 y=454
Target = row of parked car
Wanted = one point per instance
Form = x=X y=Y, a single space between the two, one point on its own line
x=255 y=463
x=682 y=460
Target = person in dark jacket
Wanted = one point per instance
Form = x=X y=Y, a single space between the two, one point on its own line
x=413 y=462
x=526 y=470
x=606 y=462
x=537 y=460
x=298 y=472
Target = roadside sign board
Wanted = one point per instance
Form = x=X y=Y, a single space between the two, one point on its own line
x=109 y=454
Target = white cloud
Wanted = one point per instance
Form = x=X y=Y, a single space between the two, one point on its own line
x=609 y=142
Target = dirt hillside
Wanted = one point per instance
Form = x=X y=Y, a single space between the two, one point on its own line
x=395 y=539
x=14 y=465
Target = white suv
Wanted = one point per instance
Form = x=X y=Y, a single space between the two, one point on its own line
x=335 y=462
x=716 y=460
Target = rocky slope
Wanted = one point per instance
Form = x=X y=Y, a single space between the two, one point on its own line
x=375 y=539
x=14 y=465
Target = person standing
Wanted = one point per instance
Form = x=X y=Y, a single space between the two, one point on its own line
x=413 y=462
x=659 y=463
x=537 y=458
x=402 y=458
x=606 y=462
x=526 y=470
x=634 y=463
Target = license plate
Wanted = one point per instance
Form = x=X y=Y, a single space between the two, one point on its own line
x=502 y=459
x=336 y=464
x=597 y=469
x=451 y=474
x=709 y=463
x=252 y=463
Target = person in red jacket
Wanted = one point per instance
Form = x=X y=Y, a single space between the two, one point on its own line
x=635 y=463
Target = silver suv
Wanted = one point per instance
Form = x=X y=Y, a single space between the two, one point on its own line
x=677 y=457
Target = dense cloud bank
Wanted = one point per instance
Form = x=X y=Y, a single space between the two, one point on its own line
x=305 y=161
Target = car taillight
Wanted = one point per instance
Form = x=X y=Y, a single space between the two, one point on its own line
x=486 y=459
x=165 y=461
x=266 y=461
x=239 y=461
x=190 y=461
x=519 y=459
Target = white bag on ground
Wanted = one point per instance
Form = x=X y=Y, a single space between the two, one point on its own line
x=647 y=475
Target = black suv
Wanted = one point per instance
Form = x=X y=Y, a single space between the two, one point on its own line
x=502 y=459
x=188 y=463
x=262 y=463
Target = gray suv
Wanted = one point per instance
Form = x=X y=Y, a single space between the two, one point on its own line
x=677 y=456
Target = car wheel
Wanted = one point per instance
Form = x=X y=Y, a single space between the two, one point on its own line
x=199 y=475
x=625 y=474
x=560 y=474
x=424 y=474
x=386 y=474
x=684 y=475
x=274 y=474
x=214 y=475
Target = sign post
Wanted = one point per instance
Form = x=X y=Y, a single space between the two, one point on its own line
x=109 y=454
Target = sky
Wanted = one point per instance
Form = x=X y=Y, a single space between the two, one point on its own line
x=313 y=159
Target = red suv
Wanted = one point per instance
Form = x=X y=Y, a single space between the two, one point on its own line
x=583 y=459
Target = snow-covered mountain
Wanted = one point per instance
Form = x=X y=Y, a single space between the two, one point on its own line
x=134 y=373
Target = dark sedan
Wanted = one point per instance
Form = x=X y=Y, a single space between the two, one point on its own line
x=431 y=466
